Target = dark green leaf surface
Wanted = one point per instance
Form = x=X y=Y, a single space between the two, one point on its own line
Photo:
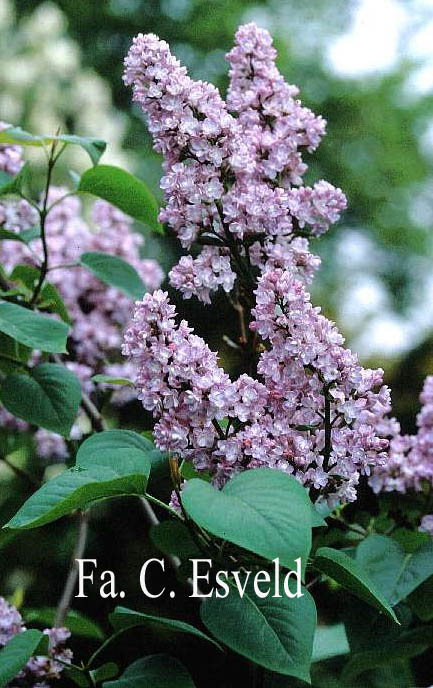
x=155 y=671
x=33 y=329
x=105 y=468
x=116 y=272
x=48 y=397
x=351 y=575
x=16 y=654
x=276 y=633
x=264 y=511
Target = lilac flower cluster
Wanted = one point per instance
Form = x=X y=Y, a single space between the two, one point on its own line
x=233 y=182
x=229 y=178
x=410 y=462
x=39 y=671
x=315 y=413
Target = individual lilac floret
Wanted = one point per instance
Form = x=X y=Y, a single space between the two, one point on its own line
x=426 y=525
x=410 y=462
x=40 y=670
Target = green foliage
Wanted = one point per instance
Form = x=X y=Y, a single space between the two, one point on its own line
x=79 y=624
x=330 y=641
x=33 y=329
x=351 y=575
x=395 y=573
x=10 y=185
x=25 y=236
x=407 y=645
x=124 y=191
x=93 y=146
x=48 y=396
x=158 y=671
x=263 y=511
x=276 y=633
x=109 y=380
x=123 y=619
x=115 y=271
x=105 y=467
x=173 y=537
x=17 y=652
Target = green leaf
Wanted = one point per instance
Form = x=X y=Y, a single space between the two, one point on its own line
x=330 y=641
x=110 y=380
x=407 y=645
x=276 y=633
x=351 y=575
x=15 y=185
x=93 y=146
x=78 y=623
x=115 y=271
x=396 y=573
x=48 y=397
x=173 y=537
x=123 y=619
x=16 y=654
x=25 y=237
x=5 y=178
x=33 y=329
x=264 y=511
x=122 y=189
x=421 y=600
x=50 y=300
x=104 y=672
x=155 y=671
x=105 y=467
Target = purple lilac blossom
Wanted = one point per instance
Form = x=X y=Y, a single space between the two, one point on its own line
x=410 y=462
x=229 y=179
x=276 y=422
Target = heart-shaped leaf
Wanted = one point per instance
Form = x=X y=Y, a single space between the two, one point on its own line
x=262 y=510
x=157 y=671
x=351 y=575
x=105 y=468
x=115 y=271
x=274 y=632
x=33 y=329
x=48 y=397
x=122 y=189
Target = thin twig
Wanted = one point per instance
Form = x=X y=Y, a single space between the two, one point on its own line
x=68 y=590
x=43 y=212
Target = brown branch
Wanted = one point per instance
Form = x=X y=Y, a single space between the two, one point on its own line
x=68 y=590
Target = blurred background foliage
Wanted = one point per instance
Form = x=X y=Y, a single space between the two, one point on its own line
x=365 y=65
